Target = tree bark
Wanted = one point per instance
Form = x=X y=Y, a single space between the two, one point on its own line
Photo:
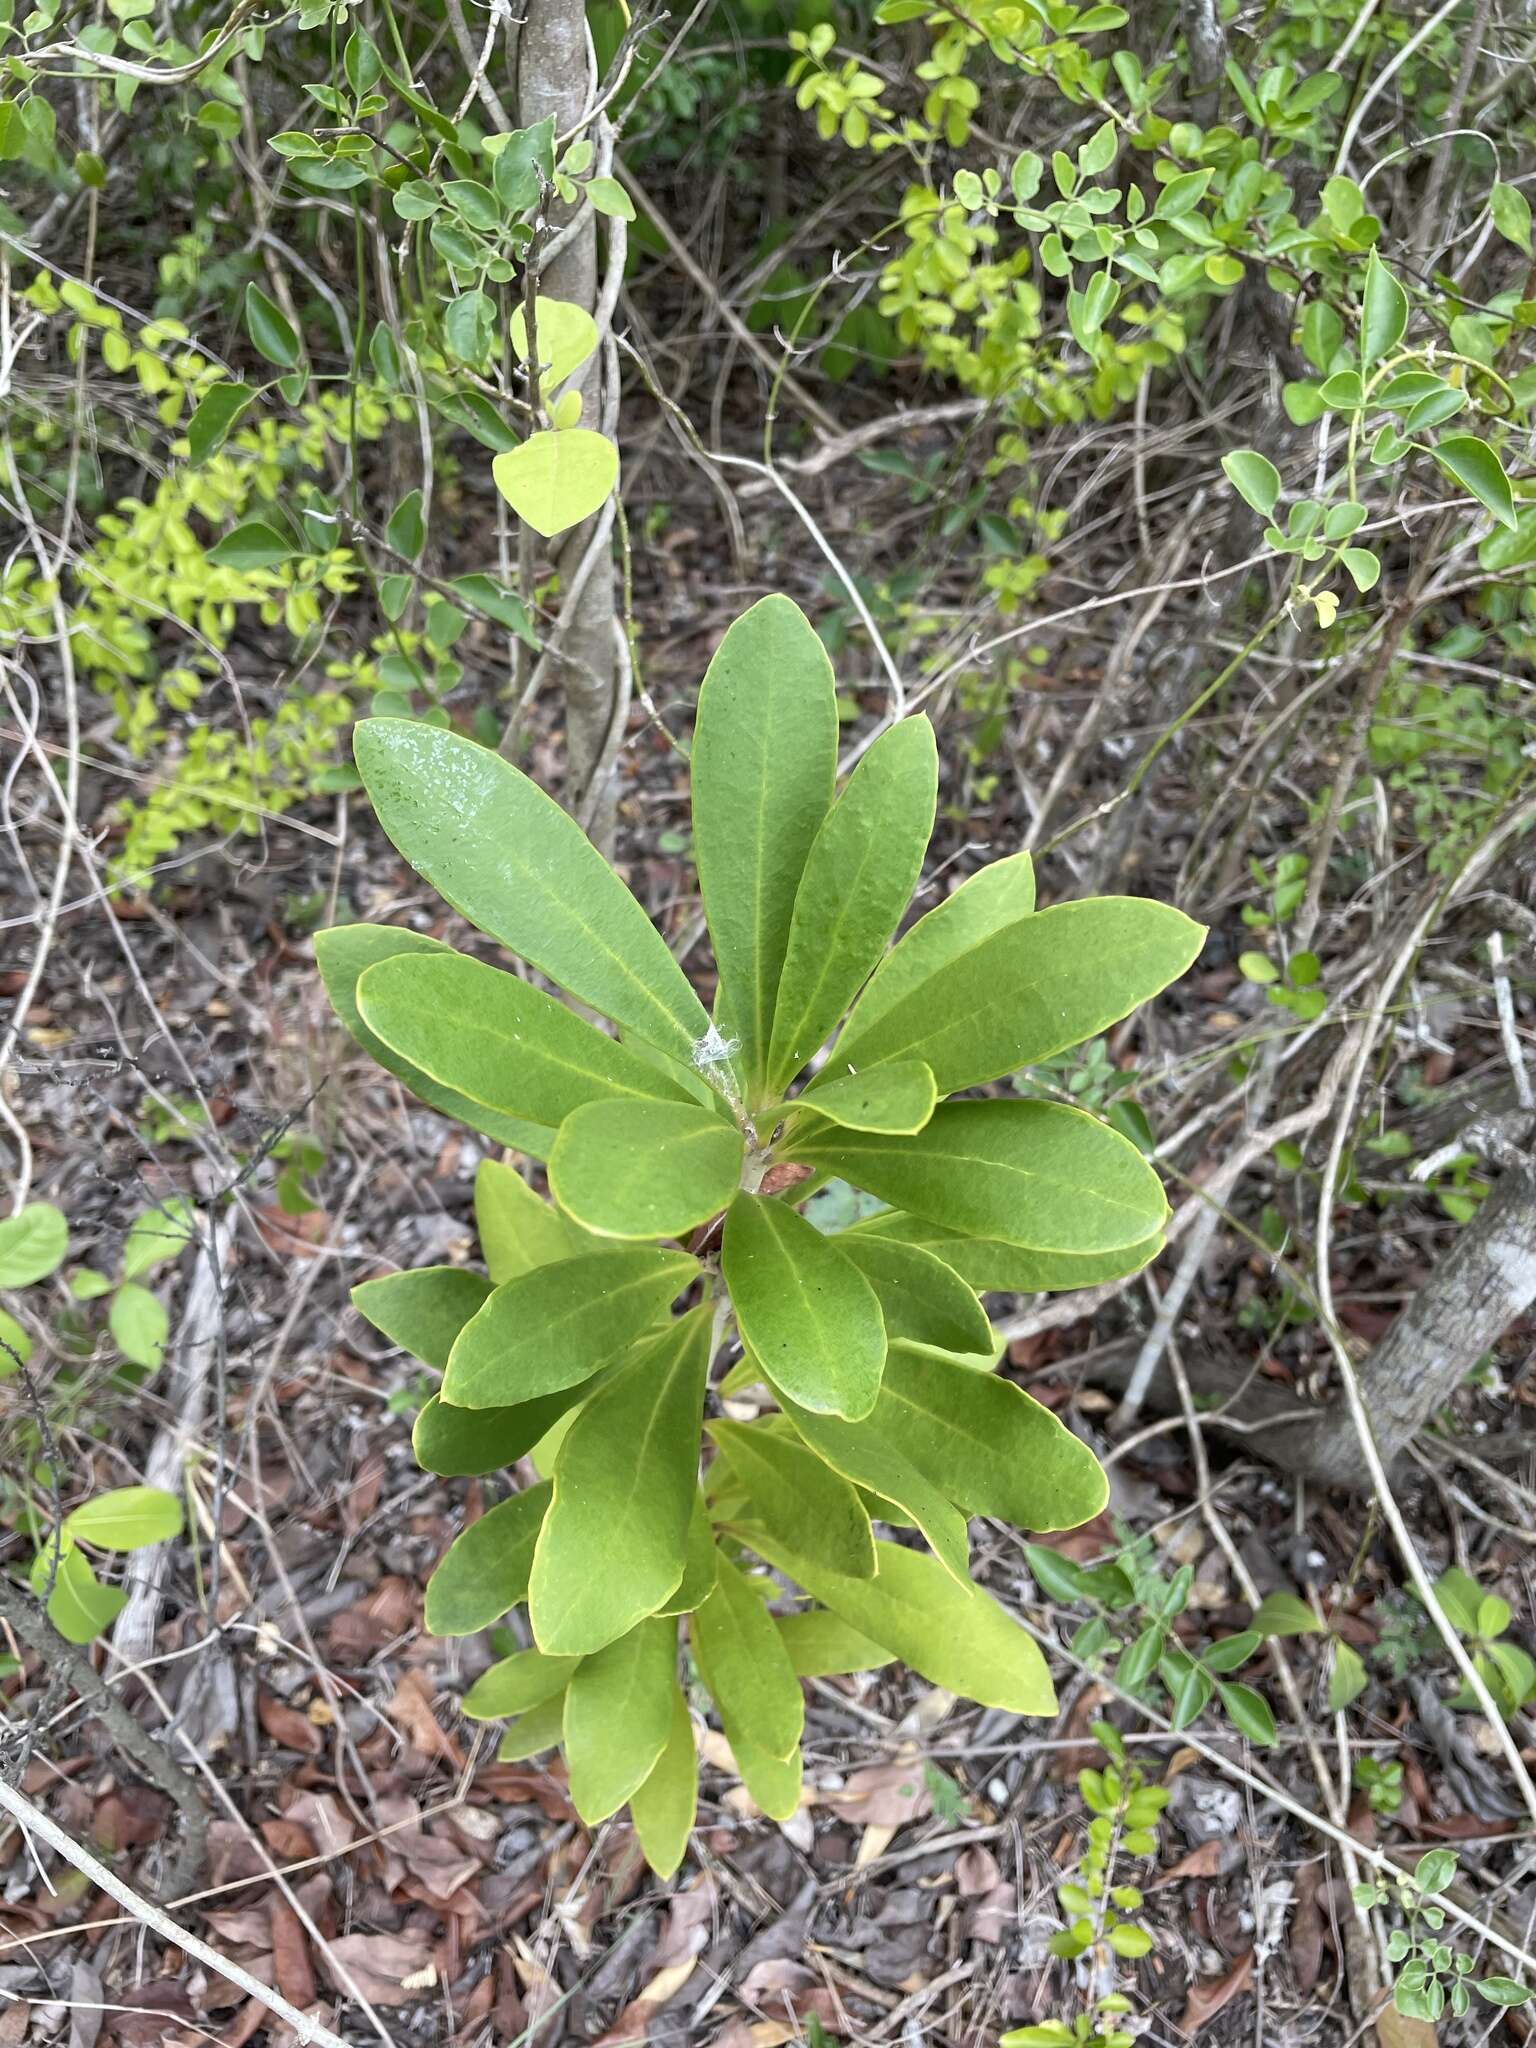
x=1484 y=1282
x=553 y=80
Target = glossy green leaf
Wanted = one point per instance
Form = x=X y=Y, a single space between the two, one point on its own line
x=644 y=1169
x=271 y=332
x=345 y=954
x=518 y=1229
x=218 y=411
x=859 y=875
x=553 y=481
x=922 y=1300
x=899 y=1097
x=510 y=860
x=1249 y=1712
x=139 y=1325
x=1473 y=464
x=618 y=1717
x=554 y=1327
x=1028 y=991
x=1283 y=1614
x=255 y=544
x=997 y=895
x=156 y=1235
x=424 y=1311
x=1383 y=312
x=462 y=1443
x=698 y=1580
x=33 y=1243
x=534 y=1733
x=1347 y=1678
x=763 y=768
x=499 y=1040
x=822 y=1645
x=127 y=1518
x=406 y=532
x=742 y=1659
x=985 y=1444
x=987 y=1263
x=798 y=1495
x=79 y=1606
x=1255 y=479
x=625 y=1479
x=952 y=1635
x=1030 y=1173
x=485 y=1571
x=663 y=1808
x=773 y=1782
x=518 y=1684
x=806 y=1313
x=1511 y=212
x=861 y=1454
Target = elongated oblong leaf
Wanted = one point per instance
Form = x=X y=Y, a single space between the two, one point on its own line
x=485 y=1571
x=555 y=1326
x=500 y=1040
x=863 y=1455
x=644 y=1169
x=518 y=1684
x=743 y=1661
x=807 y=1314
x=922 y=1300
x=1028 y=990
x=510 y=860
x=987 y=1263
x=985 y=1444
x=952 y=1635
x=773 y=1782
x=462 y=1443
x=698 y=1580
x=345 y=953
x=996 y=895
x=822 y=1645
x=127 y=1518
x=798 y=1494
x=763 y=767
x=618 y=1716
x=1030 y=1173
x=1383 y=312
x=858 y=877
x=899 y=1097
x=614 y=1543
x=518 y=1229
x=663 y=1808
x=424 y=1311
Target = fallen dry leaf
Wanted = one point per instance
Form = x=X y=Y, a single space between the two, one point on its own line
x=411 y=1706
x=290 y=1954
x=379 y=1964
x=1210 y=1994
x=1395 y=2030
x=976 y=1872
x=1203 y=1861
x=884 y=1795
x=288 y=1728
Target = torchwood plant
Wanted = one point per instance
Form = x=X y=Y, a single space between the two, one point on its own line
x=678 y=1153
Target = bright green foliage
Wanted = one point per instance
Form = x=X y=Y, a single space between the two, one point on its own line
x=1098 y=1910
x=664 y=1149
x=1434 y=1978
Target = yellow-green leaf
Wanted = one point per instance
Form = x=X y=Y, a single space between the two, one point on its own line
x=952 y=1635
x=763 y=767
x=996 y=895
x=518 y=1229
x=566 y=336
x=822 y=1645
x=556 y=479
x=858 y=877
x=615 y=1541
x=644 y=1169
x=618 y=1717
x=485 y=1571
x=922 y=1300
x=862 y=1455
x=345 y=953
x=1030 y=1173
x=743 y=1661
x=517 y=1685
x=127 y=1518
x=799 y=1495
x=510 y=860
x=424 y=1311
x=554 y=1327
x=806 y=1313
x=461 y=1443
x=663 y=1808
x=499 y=1040
x=899 y=1098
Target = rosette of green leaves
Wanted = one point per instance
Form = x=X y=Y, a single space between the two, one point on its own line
x=678 y=1148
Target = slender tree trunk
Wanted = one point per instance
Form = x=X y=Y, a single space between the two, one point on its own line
x=553 y=79
x=1485 y=1281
